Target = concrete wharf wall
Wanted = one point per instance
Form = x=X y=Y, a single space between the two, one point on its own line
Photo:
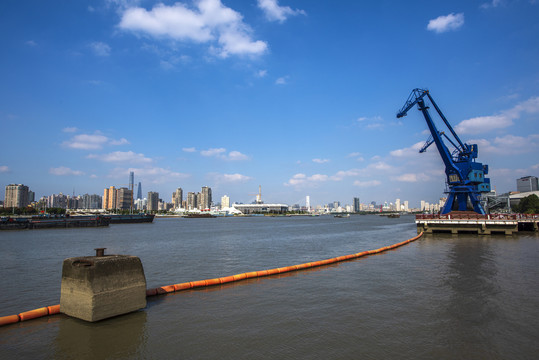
x=506 y=224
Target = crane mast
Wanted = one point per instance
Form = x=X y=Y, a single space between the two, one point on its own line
x=465 y=178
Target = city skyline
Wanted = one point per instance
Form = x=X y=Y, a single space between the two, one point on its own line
x=299 y=97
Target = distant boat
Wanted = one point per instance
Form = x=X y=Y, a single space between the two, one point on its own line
x=131 y=218
x=394 y=216
x=342 y=216
x=199 y=215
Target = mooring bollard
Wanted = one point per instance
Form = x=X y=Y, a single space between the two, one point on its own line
x=102 y=286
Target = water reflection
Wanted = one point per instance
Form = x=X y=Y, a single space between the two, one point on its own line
x=120 y=337
x=472 y=280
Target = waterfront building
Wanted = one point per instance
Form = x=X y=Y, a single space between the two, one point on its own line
x=109 y=198
x=308 y=203
x=225 y=202
x=57 y=201
x=191 y=201
x=406 y=206
x=90 y=201
x=527 y=184
x=153 y=201
x=177 y=198
x=124 y=197
x=16 y=196
x=357 y=207
x=398 y=205
x=205 y=198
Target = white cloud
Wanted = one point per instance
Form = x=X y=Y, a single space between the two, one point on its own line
x=221 y=154
x=209 y=22
x=340 y=175
x=236 y=156
x=92 y=141
x=483 y=124
x=407 y=152
x=4 y=169
x=70 y=129
x=261 y=73
x=189 y=149
x=232 y=178
x=297 y=179
x=446 y=23
x=281 y=80
x=508 y=144
x=213 y=152
x=380 y=165
x=370 y=183
x=100 y=48
x=63 y=171
x=121 y=156
x=491 y=4
x=274 y=12
x=321 y=161
x=412 y=177
x=31 y=43
x=503 y=120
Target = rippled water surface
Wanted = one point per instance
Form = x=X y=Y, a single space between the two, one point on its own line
x=443 y=296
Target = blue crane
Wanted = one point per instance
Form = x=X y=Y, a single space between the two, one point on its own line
x=465 y=177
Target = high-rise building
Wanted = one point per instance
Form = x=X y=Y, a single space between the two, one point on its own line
x=16 y=196
x=205 y=198
x=225 y=202
x=527 y=184
x=110 y=198
x=308 y=202
x=139 y=191
x=90 y=202
x=406 y=205
x=191 y=201
x=153 y=201
x=357 y=205
x=124 y=196
x=177 y=198
x=398 y=205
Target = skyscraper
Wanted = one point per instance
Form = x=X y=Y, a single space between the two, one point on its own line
x=124 y=196
x=139 y=191
x=308 y=202
x=177 y=198
x=153 y=201
x=205 y=198
x=191 y=201
x=16 y=195
x=109 y=198
x=356 y=204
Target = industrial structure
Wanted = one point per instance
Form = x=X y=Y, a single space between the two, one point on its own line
x=465 y=177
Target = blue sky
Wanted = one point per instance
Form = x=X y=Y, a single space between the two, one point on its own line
x=297 y=96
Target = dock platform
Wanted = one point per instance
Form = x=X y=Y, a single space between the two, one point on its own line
x=466 y=222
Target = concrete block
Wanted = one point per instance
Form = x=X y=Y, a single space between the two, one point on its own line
x=99 y=287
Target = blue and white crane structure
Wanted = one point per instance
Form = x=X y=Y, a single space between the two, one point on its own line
x=465 y=177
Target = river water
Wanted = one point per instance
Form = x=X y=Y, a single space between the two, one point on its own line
x=440 y=297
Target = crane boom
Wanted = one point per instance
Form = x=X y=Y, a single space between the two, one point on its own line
x=465 y=177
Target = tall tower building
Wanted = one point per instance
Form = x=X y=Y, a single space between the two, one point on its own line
x=356 y=205
x=177 y=198
x=153 y=201
x=225 y=202
x=16 y=196
x=124 y=197
x=308 y=202
x=205 y=198
x=139 y=191
x=191 y=201
x=398 y=205
x=109 y=198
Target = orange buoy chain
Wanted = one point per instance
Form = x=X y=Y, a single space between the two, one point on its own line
x=55 y=309
x=254 y=274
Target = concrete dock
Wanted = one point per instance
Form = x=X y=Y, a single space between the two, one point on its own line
x=469 y=222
